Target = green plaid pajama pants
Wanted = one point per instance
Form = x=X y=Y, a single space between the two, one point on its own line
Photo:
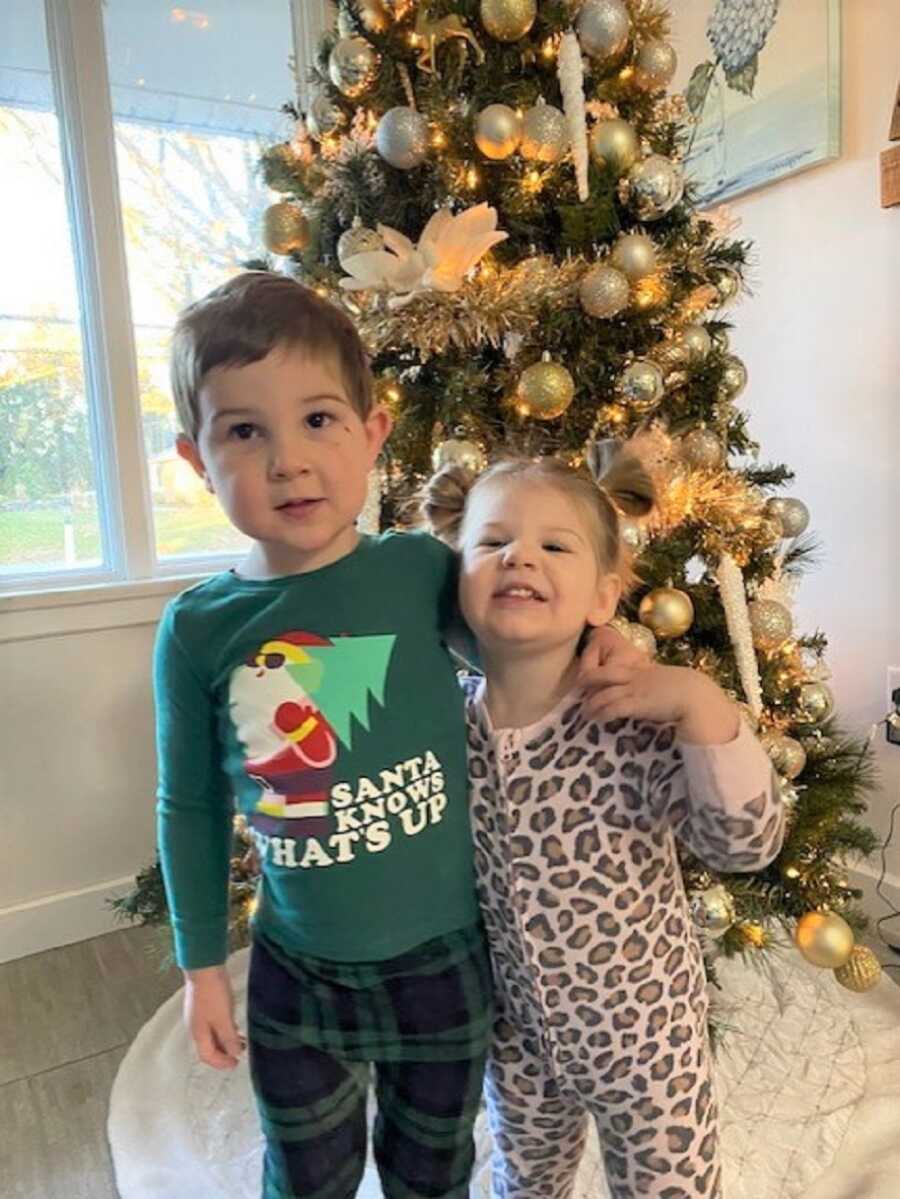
x=316 y=1030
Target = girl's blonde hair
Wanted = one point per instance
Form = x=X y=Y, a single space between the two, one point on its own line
x=613 y=482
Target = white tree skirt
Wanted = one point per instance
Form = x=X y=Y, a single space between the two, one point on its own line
x=808 y=1082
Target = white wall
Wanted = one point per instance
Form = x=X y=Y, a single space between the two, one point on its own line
x=820 y=339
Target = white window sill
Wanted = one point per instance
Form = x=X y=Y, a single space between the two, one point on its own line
x=33 y=615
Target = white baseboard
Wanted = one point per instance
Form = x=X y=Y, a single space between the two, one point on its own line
x=59 y=919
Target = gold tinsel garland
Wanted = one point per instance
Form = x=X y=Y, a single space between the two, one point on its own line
x=730 y=515
x=495 y=302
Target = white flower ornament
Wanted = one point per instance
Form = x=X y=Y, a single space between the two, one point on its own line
x=448 y=248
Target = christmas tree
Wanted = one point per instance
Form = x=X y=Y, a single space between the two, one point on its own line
x=496 y=190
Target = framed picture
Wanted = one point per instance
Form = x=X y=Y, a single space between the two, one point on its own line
x=764 y=79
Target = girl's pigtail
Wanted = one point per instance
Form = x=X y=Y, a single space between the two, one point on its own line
x=443 y=502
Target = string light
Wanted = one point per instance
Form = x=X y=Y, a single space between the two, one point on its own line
x=532 y=181
x=472 y=177
x=439 y=139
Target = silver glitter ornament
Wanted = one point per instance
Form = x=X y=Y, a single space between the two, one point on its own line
x=701 y=447
x=604 y=291
x=614 y=145
x=654 y=65
x=353 y=65
x=656 y=185
x=770 y=624
x=508 y=20
x=498 y=131
x=734 y=377
x=545 y=133
x=634 y=254
x=323 y=117
x=792 y=514
x=402 y=137
x=641 y=385
x=603 y=28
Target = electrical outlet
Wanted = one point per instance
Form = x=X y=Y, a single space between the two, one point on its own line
x=892 y=702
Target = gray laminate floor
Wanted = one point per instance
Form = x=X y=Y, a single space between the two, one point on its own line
x=67 y=1017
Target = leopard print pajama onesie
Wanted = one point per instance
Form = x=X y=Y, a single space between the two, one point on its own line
x=601 y=989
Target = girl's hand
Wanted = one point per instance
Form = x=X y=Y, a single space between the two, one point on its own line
x=209 y=1015
x=676 y=695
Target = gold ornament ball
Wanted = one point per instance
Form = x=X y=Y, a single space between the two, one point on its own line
x=719 y=339
x=498 y=131
x=508 y=20
x=389 y=391
x=458 y=451
x=614 y=145
x=545 y=134
x=604 y=291
x=667 y=612
x=816 y=702
x=401 y=137
x=358 y=239
x=825 y=939
x=323 y=116
x=545 y=390
x=642 y=638
x=696 y=342
x=727 y=283
x=352 y=65
x=654 y=65
x=770 y=624
x=604 y=27
x=641 y=385
x=634 y=254
x=734 y=377
x=861 y=971
x=713 y=910
x=285 y=228
x=792 y=514
x=702 y=448
x=656 y=185
x=791 y=757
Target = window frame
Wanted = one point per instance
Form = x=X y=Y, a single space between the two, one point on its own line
x=78 y=65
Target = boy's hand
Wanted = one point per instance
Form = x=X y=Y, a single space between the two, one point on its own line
x=676 y=695
x=209 y=1015
x=603 y=660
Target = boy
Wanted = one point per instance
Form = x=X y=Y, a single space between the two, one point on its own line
x=313 y=686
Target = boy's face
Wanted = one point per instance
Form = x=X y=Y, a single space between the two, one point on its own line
x=287 y=456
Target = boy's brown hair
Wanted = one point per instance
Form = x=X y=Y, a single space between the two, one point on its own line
x=244 y=320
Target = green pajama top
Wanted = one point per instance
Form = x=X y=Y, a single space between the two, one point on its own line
x=324 y=707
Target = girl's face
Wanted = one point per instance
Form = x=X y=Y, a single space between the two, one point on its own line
x=530 y=577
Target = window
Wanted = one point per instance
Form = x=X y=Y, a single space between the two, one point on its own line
x=144 y=197
x=195 y=92
x=49 y=514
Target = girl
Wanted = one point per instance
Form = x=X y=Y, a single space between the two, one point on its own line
x=575 y=807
